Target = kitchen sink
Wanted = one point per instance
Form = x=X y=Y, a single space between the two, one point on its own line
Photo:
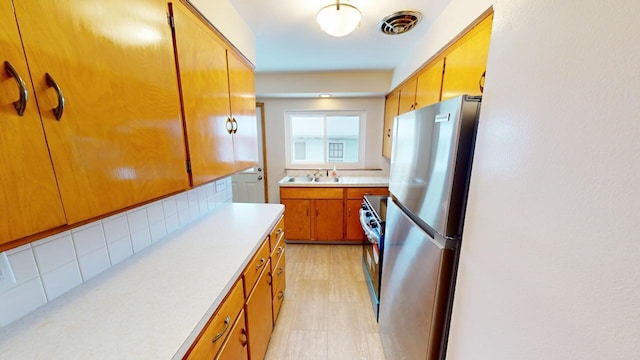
x=327 y=179
x=309 y=179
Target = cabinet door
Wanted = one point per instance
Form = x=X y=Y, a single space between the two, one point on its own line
x=202 y=66
x=354 y=229
x=120 y=139
x=408 y=96
x=235 y=348
x=30 y=199
x=430 y=84
x=328 y=219
x=297 y=219
x=390 y=112
x=243 y=110
x=466 y=62
x=259 y=317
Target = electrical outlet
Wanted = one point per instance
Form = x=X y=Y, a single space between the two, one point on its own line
x=7 y=279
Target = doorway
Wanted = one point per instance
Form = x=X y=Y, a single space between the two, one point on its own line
x=250 y=186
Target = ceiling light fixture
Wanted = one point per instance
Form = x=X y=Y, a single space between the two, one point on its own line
x=339 y=19
x=325 y=95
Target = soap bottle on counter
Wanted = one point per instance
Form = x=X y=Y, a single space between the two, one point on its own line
x=334 y=173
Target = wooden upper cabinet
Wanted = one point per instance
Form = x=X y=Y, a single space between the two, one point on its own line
x=429 y=84
x=390 y=112
x=202 y=66
x=30 y=199
x=408 y=96
x=466 y=62
x=243 y=112
x=119 y=140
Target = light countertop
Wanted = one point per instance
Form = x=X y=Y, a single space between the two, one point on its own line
x=154 y=304
x=343 y=181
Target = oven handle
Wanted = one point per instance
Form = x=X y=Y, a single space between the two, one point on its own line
x=371 y=235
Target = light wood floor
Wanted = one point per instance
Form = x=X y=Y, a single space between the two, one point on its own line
x=326 y=313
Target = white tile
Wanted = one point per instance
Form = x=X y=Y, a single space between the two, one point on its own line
x=202 y=200
x=140 y=239
x=120 y=250
x=88 y=239
x=193 y=198
x=21 y=300
x=55 y=253
x=19 y=249
x=211 y=190
x=184 y=216
x=115 y=228
x=173 y=223
x=94 y=263
x=137 y=220
x=155 y=212
x=169 y=206
x=211 y=204
x=182 y=201
x=158 y=230
x=61 y=280
x=195 y=212
x=23 y=265
x=221 y=185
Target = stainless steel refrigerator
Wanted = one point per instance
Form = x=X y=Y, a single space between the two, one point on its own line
x=430 y=172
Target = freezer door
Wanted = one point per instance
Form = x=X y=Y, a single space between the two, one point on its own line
x=431 y=161
x=414 y=294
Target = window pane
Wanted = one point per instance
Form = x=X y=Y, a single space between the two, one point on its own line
x=343 y=132
x=307 y=138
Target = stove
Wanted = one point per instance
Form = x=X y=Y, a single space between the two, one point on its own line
x=372 y=218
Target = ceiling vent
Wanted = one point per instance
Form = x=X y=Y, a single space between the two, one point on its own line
x=399 y=22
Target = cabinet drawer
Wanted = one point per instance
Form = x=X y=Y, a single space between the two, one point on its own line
x=217 y=330
x=278 y=274
x=278 y=250
x=255 y=267
x=235 y=348
x=311 y=193
x=358 y=193
x=277 y=234
x=278 y=299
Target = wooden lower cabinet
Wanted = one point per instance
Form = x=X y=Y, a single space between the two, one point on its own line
x=297 y=214
x=328 y=219
x=258 y=310
x=241 y=326
x=354 y=229
x=235 y=348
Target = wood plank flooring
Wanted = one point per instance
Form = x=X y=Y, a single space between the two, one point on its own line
x=326 y=313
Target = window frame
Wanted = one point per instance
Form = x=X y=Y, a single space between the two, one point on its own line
x=292 y=164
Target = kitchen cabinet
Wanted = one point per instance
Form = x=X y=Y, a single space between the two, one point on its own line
x=429 y=85
x=391 y=106
x=104 y=80
x=313 y=213
x=215 y=333
x=218 y=101
x=29 y=190
x=408 y=96
x=258 y=308
x=235 y=348
x=466 y=62
x=353 y=204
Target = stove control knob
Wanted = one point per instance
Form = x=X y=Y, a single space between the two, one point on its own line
x=373 y=224
x=367 y=214
x=363 y=206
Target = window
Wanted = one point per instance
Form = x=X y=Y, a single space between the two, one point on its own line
x=325 y=138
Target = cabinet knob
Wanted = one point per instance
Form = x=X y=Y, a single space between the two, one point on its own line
x=389 y=132
x=261 y=263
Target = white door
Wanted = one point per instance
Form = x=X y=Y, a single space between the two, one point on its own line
x=249 y=186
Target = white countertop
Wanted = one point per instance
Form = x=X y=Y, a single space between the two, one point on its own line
x=154 y=304
x=343 y=181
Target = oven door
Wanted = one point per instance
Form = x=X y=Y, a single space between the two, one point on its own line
x=371 y=258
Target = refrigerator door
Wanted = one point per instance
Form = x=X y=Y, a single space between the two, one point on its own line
x=416 y=280
x=431 y=159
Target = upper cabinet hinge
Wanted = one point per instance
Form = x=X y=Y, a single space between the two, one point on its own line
x=171 y=21
x=188 y=166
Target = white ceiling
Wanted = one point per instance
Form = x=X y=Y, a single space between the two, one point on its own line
x=289 y=39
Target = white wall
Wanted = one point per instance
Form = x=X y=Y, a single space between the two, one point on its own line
x=550 y=262
x=274 y=130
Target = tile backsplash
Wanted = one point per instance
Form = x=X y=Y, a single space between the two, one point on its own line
x=48 y=268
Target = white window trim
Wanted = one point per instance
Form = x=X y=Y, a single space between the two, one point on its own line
x=339 y=165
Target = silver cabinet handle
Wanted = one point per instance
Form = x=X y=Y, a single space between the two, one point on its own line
x=21 y=104
x=261 y=264
x=280 y=250
x=281 y=295
x=227 y=320
x=57 y=111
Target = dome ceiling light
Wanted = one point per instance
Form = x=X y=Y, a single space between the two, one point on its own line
x=339 y=19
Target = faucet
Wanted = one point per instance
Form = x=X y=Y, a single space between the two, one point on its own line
x=315 y=174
